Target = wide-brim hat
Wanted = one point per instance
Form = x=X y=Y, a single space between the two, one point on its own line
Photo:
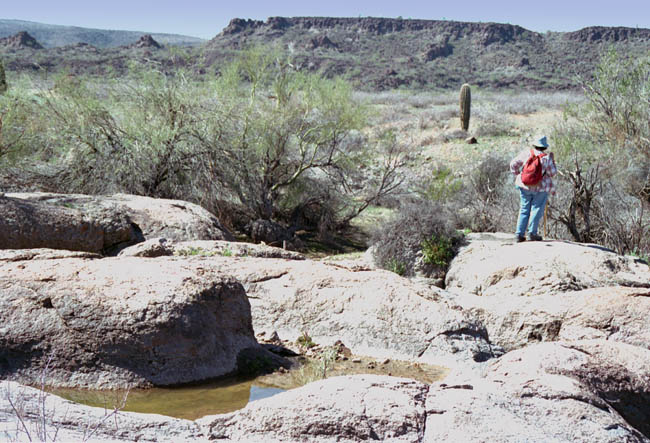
x=541 y=143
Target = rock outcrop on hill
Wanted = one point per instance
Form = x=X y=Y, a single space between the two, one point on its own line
x=21 y=40
x=127 y=322
x=422 y=53
x=146 y=42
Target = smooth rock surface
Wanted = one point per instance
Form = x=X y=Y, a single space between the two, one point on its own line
x=120 y=322
x=493 y=264
x=160 y=247
x=612 y=313
x=352 y=408
x=617 y=374
x=375 y=313
x=559 y=392
x=171 y=219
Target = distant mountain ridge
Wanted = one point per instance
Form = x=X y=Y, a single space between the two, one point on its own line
x=51 y=36
x=373 y=53
x=387 y=53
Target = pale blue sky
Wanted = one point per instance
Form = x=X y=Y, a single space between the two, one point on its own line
x=204 y=18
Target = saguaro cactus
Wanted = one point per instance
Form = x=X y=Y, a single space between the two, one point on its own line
x=3 y=80
x=465 y=103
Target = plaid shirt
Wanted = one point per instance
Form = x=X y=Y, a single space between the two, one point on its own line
x=548 y=169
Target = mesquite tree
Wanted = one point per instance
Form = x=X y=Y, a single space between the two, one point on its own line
x=603 y=154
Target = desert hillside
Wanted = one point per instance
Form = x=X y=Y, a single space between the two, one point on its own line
x=373 y=53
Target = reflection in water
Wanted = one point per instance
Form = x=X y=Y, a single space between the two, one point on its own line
x=190 y=402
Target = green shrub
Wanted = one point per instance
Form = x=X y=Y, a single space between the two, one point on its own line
x=438 y=250
x=419 y=240
x=393 y=265
x=442 y=185
x=259 y=139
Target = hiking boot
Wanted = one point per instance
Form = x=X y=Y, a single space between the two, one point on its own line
x=519 y=238
x=535 y=237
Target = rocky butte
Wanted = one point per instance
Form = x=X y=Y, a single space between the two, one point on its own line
x=385 y=53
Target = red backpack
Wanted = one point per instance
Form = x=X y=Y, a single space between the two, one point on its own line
x=532 y=172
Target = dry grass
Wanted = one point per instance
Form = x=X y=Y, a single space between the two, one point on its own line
x=503 y=122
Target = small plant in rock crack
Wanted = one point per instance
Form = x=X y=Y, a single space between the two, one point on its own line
x=317 y=369
x=35 y=425
x=305 y=341
x=438 y=250
x=396 y=266
x=197 y=252
x=327 y=359
x=190 y=251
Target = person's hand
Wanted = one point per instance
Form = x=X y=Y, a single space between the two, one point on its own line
x=552 y=157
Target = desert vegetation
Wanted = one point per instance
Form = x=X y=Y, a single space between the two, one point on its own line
x=274 y=150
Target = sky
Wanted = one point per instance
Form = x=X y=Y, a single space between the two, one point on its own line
x=206 y=18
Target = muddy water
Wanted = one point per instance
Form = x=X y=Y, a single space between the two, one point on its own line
x=227 y=395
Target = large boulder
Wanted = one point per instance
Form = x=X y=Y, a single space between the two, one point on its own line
x=615 y=375
x=120 y=322
x=172 y=219
x=26 y=224
x=493 y=264
x=562 y=392
x=373 y=312
x=613 y=313
x=353 y=408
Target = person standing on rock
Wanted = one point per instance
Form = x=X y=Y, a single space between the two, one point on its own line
x=534 y=169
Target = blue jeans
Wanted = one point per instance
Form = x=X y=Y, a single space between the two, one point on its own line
x=531 y=207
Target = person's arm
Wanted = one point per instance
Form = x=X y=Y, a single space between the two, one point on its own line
x=516 y=164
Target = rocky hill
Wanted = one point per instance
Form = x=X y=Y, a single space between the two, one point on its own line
x=387 y=53
x=55 y=35
x=374 y=53
x=21 y=40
